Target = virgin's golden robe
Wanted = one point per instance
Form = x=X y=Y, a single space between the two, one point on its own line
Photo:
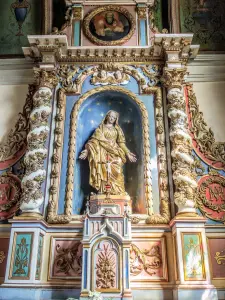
x=107 y=142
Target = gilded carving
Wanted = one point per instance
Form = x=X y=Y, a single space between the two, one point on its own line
x=103 y=78
x=155 y=76
x=220 y=257
x=10 y=191
x=77 y=13
x=184 y=175
x=44 y=78
x=142 y=12
x=105 y=269
x=66 y=75
x=102 y=9
x=174 y=78
x=16 y=139
x=212 y=151
x=210 y=196
x=56 y=164
x=32 y=195
x=164 y=216
x=146 y=260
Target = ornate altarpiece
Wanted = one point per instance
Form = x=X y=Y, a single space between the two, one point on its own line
x=102 y=245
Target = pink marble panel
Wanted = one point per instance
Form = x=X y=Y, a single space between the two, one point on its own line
x=147 y=260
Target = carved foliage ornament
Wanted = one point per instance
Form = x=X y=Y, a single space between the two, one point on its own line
x=106 y=14
x=68 y=259
x=14 y=145
x=45 y=78
x=205 y=145
x=140 y=260
x=174 y=78
x=10 y=191
x=210 y=198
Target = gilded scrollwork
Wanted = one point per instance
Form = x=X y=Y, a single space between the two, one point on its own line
x=16 y=139
x=220 y=257
x=206 y=145
x=147 y=260
x=210 y=196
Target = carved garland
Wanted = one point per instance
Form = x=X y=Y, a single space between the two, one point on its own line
x=212 y=152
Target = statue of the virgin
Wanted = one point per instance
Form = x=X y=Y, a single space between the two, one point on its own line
x=106 y=151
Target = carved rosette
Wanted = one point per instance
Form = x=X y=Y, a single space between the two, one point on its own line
x=184 y=175
x=32 y=195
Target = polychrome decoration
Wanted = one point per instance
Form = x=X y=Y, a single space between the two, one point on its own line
x=109 y=25
x=21 y=256
x=216 y=246
x=21 y=9
x=10 y=191
x=194 y=268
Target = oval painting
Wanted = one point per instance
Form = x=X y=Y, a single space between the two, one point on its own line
x=109 y=26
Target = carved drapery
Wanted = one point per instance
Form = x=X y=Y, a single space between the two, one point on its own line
x=32 y=194
x=184 y=175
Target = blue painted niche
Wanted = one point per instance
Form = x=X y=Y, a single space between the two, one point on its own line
x=90 y=116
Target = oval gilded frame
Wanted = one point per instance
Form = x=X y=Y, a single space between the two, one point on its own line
x=97 y=41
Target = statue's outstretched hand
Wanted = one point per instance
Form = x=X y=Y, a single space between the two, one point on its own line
x=84 y=154
x=132 y=157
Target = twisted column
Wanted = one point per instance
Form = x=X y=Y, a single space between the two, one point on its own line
x=32 y=191
x=184 y=175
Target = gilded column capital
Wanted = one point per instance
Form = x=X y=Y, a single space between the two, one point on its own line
x=77 y=13
x=142 y=12
x=45 y=78
x=174 y=78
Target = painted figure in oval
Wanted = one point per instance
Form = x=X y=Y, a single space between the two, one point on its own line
x=106 y=151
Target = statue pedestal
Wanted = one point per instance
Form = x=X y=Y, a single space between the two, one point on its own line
x=113 y=204
x=106 y=248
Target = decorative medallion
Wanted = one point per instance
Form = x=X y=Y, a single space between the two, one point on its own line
x=109 y=25
x=211 y=197
x=10 y=191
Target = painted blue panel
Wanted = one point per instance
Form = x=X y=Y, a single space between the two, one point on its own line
x=77 y=33
x=85 y=269
x=22 y=255
x=127 y=269
x=149 y=103
x=142 y=34
x=90 y=116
